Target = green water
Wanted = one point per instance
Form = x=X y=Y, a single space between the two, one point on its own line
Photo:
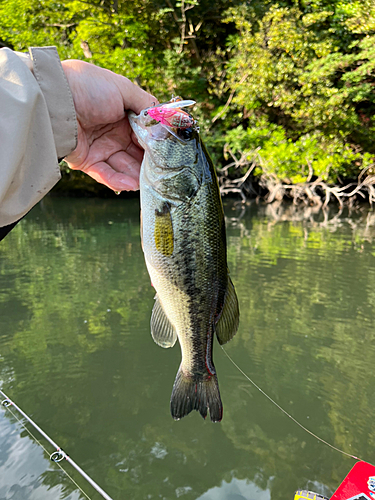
x=76 y=354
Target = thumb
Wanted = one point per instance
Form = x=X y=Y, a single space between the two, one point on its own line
x=134 y=98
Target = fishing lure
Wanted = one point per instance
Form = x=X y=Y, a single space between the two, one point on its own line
x=172 y=115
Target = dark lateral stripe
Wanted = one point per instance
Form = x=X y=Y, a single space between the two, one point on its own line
x=6 y=229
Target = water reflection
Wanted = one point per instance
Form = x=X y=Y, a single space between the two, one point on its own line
x=23 y=468
x=77 y=355
x=237 y=489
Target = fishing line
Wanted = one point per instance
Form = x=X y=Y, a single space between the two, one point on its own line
x=286 y=413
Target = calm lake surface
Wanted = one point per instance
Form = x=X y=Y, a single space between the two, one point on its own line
x=76 y=354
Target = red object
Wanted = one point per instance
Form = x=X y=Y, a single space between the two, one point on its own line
x=172 y=117
x=359 y=484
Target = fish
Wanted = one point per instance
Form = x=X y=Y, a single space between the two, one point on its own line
x=184 y=244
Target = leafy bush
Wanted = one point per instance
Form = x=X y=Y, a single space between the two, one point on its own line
x=305 y=73
x=293 y=80
x=295 y=161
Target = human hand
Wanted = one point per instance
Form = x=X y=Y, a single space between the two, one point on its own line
x=107 y=148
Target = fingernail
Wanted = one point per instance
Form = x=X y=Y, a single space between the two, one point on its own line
x=128 y=184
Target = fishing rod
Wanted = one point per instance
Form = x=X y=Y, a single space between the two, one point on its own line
x=57 y=455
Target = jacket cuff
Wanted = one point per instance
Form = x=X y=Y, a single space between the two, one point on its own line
x=56 y=91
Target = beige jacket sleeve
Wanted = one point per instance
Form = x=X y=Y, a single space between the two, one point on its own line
x=37 y=126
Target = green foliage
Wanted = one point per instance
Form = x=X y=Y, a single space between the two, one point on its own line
x=360 y=15
x=300 y=74
x=151 y=42
x=290 y=69
x=295 y=161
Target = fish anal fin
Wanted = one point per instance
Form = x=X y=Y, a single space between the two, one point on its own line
x=162 y=330
x=227 y=325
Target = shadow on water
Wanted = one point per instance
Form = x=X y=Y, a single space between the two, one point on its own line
x=76 y=353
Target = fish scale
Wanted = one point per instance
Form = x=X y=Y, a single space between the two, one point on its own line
x=184 y=243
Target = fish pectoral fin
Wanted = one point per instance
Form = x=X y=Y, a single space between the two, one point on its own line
x=227 y=325
x=162 y=330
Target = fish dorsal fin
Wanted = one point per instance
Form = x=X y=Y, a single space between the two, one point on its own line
x=227 y=325
x=162 y=330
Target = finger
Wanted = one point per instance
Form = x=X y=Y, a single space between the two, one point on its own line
x=104 y=146
x=133 y=96
x=126 y=164
x=102 y=172
x=135 y=151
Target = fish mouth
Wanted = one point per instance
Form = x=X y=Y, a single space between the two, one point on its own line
x=133 y=119
x=138 y=128
x=147 y=129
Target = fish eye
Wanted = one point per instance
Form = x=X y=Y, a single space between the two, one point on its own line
x=185 y=133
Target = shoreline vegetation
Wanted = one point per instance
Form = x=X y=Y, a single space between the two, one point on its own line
x=284 y=90
x=313 y=191
x=266 y=187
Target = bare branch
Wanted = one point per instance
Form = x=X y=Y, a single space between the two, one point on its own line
x=230 y=98
x=86 y=49
x=58 y=25
x=316 y=193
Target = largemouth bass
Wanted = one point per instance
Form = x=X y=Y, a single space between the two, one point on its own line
x=184 y=243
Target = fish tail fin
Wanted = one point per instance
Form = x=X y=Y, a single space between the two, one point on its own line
x=192 y=392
